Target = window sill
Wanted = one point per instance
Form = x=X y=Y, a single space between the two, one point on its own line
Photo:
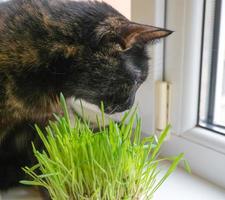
x=206 y=138
x=181 y=185
x=204 y=160
x=21 y=193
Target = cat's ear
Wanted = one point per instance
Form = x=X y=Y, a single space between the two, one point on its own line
x=134 y=33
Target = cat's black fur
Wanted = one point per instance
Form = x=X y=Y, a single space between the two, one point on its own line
x=82 y=49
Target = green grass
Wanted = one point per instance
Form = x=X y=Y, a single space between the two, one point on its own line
x=111 y=164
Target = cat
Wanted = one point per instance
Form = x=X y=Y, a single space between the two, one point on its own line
x=85 y=49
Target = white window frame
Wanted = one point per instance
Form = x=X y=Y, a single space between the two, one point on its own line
x=204 y=149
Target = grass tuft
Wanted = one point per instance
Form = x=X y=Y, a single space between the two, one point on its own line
x=113 y=163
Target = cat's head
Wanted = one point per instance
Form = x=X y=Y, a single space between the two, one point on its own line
x=116 y=62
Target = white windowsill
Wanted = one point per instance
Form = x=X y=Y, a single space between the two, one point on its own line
x=180 y=185
x=206 y=138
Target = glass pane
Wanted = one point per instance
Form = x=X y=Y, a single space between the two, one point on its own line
x=219 y=118
x=212 y=92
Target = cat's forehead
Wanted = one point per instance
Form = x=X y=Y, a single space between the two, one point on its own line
x=110 y=25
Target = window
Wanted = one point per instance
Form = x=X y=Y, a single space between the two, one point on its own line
x=191 y=56
x=212 y=95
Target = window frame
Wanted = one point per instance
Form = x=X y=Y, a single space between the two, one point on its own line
x=204 y=150
x=220 y=66
x=215 y=64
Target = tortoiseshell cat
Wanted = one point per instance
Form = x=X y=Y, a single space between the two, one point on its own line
x=82 y=49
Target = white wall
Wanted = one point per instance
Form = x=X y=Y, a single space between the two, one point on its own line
x=123 y=6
